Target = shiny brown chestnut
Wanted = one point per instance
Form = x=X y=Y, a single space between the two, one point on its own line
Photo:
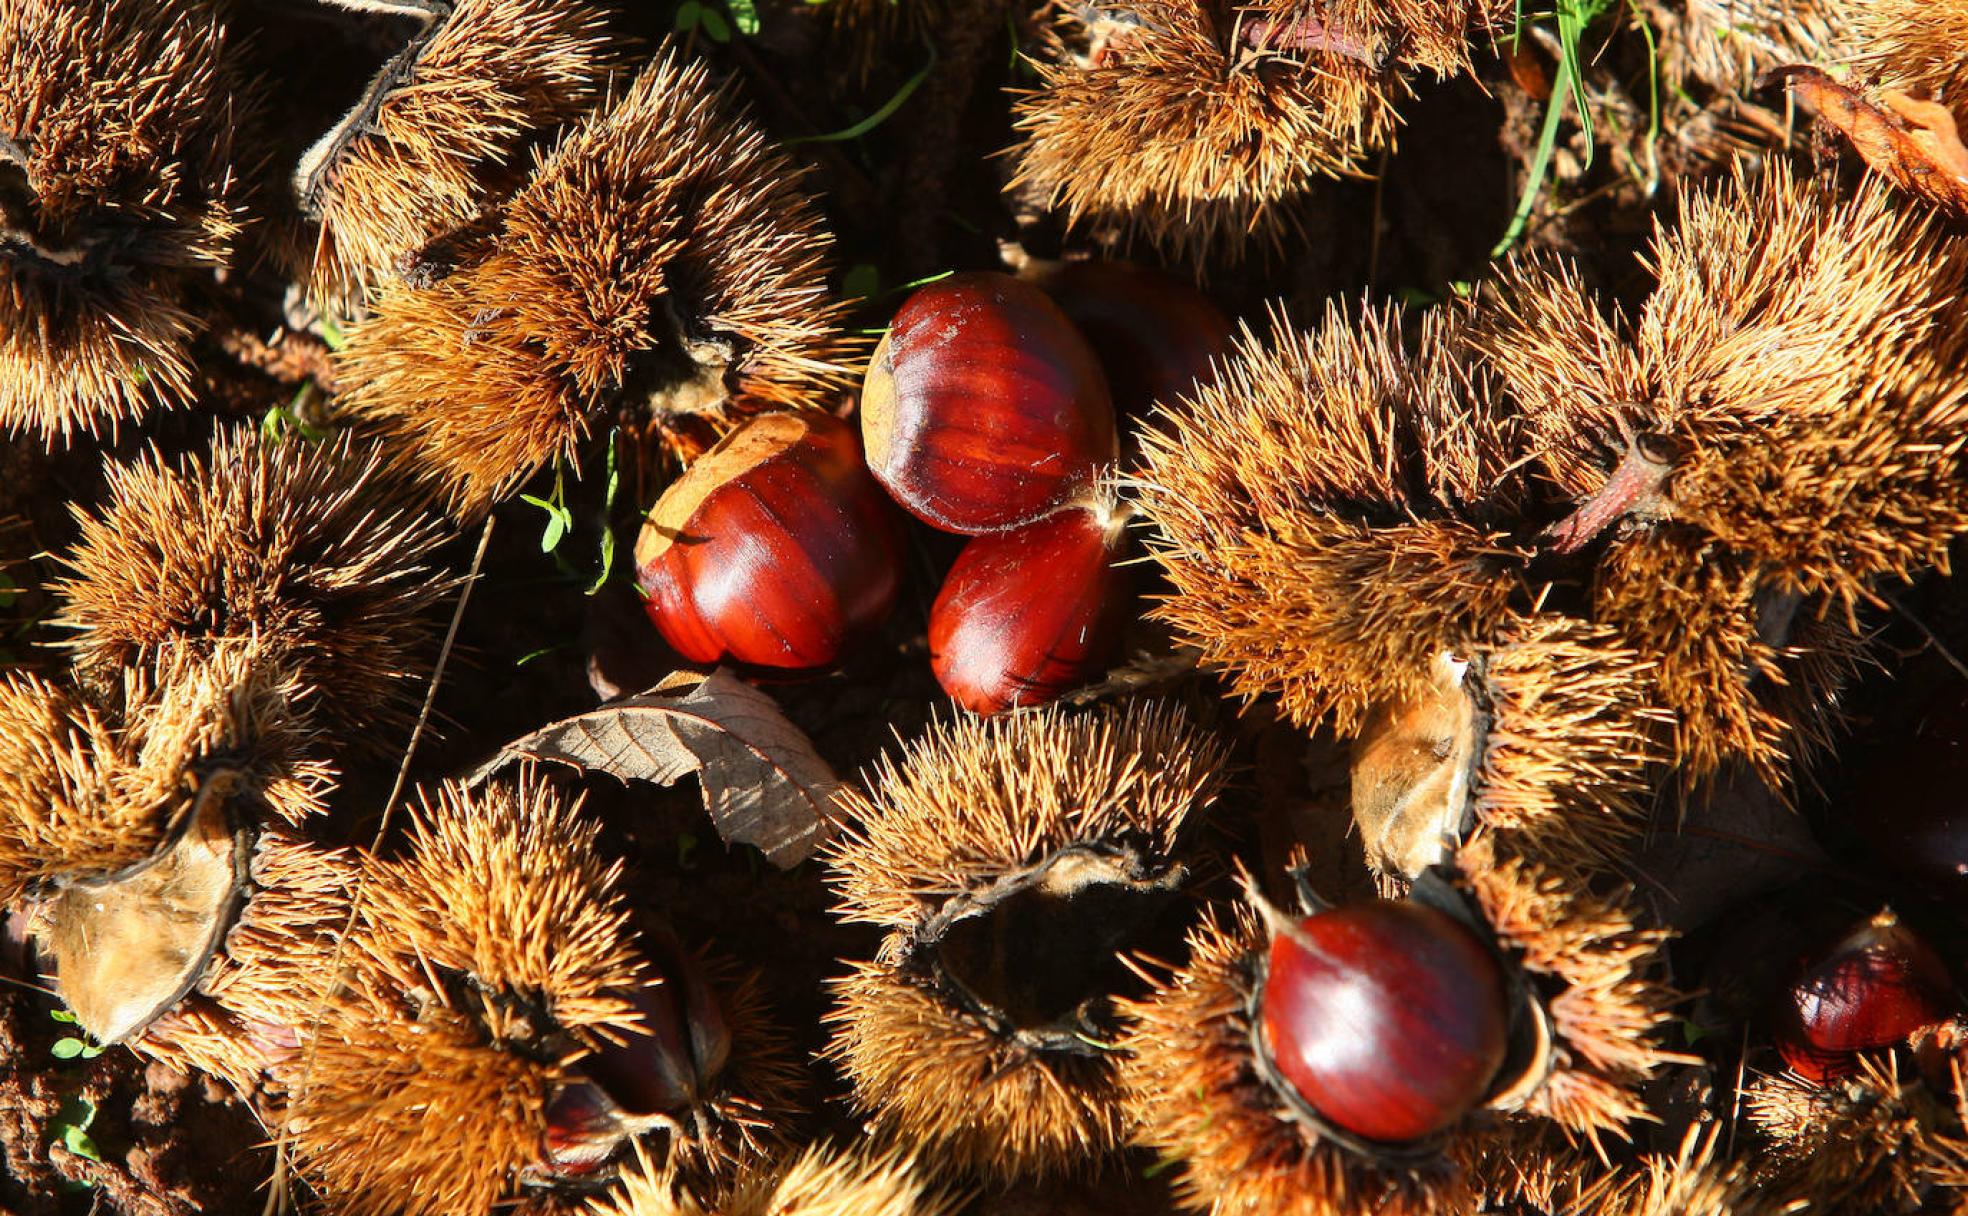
x=1389 y=1019
x=984 y=410
x=1025 y=616
x=776 y=549
x=1155 y=334
x=1876 y=987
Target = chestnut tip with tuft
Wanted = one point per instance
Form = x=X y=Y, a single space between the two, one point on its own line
x=1025 y=616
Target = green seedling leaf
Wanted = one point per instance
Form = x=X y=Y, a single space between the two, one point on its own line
x=607 y=561
x=332 y=334
x=62 y=1015
x=714 y=24
x=744 y=15
x=77 y=1141
x=71 y=1126
x=608 y=518
x=688 y=14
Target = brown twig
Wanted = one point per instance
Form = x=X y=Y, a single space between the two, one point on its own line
x=1636 y=486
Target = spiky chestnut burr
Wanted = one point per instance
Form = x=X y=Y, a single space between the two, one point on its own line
x=1025 y=616
x=1729 y=44
x=1774 y=439
x=1884 y=1140
x=438 y=138
x=776 y=549
x=305 y=547
x=1341 y=523
x=247 y=1019
x=1192 y=123
x=118 y=186
x=1010 y=861
x=173 y=902
x=822 y=1181
x=662 y=261
x=983 y=409
x=1581 y=1043
x=495 y=998
x=1541 y=1171
x=93 y=790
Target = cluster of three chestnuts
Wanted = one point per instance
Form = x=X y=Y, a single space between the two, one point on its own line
x=985 y=412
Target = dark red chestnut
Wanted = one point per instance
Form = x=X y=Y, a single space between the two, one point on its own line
x=1389 y=1019
x=1154 y=333
x=1024 y=616
x=686 y=1039
x=776 y=549
x=1874 y=988
x=984 y=409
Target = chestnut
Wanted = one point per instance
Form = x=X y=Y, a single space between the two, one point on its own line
x=1155 y=334
x=1389 y=1019
x=776 y=549
x=1024 y=616
x=984 y=410
x=1875 y=987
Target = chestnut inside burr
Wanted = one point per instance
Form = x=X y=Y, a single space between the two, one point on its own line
x=1036 y=955
x=1414 y=771
x=1527 y=1050
x=685 y=1044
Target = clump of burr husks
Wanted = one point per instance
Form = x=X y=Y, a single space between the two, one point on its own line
x=1195 y=124
x=1504 y=754
x=985 y=412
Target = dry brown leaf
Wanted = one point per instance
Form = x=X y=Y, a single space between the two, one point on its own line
x=1913 y=142
x=764 y=785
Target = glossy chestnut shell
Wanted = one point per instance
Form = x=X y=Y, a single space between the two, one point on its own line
x=776 y=549
x=1155 y=334
x=1025 y=616
x=984 y=410
x=1389 y=1019
x=1874 y=988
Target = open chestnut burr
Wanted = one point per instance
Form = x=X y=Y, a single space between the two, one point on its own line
x=1876 y=987
x=1010 y=861
x=1867 y=1112
x=550 y=1030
